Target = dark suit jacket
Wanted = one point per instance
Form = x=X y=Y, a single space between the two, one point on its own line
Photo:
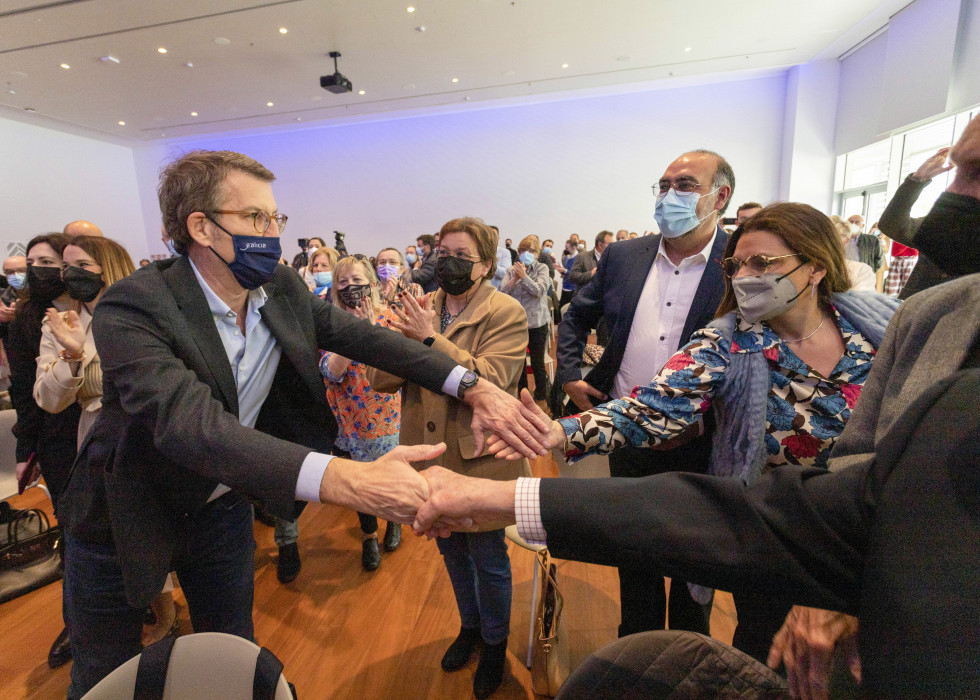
x=581 y=271
x=169 y=430
x=890 y=533
x=896 y=222
x=614 y=293
x=426 y=274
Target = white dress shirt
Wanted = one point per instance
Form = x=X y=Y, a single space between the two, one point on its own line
x=254 y=359
x=661 y=313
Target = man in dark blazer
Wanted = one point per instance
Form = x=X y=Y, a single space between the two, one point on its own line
x=212 y=393
x=585 y=263
x=653 y=292
x=424 y=271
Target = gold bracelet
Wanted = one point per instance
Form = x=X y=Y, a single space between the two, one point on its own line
x=71 y=357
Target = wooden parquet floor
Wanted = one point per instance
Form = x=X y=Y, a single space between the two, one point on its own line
x=344 y=633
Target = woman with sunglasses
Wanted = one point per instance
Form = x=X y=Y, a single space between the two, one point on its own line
x=781 y=367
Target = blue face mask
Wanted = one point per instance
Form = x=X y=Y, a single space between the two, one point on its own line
x=410 y=258
x=546 y=250
x=676 y=212
x=527 y=257
x=255 y=260
x=323 y=279
x=171 y=248
x=17 y=280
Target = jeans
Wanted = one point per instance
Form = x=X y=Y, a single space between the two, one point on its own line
x=214 y=563
x=479 y=569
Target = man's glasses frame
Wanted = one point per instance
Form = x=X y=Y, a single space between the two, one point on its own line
x=260 y=219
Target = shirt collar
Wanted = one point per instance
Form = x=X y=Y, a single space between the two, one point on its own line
x=221 y=310
x=700 y=257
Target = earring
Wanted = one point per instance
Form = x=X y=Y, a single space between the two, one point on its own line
x=813 y=290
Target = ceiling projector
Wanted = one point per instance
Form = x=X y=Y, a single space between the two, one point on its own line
x=335 y=83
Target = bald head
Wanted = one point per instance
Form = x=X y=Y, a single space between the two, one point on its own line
x=15 y=263
x=82 y=228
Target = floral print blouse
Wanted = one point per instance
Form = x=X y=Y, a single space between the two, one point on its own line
x=805 y=411
x=369 y=421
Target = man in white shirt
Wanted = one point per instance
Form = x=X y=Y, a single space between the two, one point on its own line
x=653 y=292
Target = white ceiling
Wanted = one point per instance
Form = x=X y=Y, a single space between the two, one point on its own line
x=499 y=50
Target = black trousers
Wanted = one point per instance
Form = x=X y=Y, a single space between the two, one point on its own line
x=642 y=590
x=537 y=343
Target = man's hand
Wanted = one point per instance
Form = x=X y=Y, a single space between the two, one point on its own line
x=579 y=392
x=388 y=487
x=934 y=165
x=554 y=437
x=462 y=503
x=805 y=644
x=522 y=427
x=7 y=313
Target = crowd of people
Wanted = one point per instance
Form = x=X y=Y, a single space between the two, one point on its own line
x=765 y=409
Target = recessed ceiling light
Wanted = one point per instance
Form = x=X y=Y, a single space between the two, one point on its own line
x=188 y=65
x=283 y=30
x=109 y=59
x=193 y=114
x=687 y=49
x=65 y=66
x=11 y=92
x=122 y=123
x=299 y=119
x=466 y=99
x=269 y=104
x=360 y=92
x=564 y=65
x=161 y=50
x=221 y=41
x=409 y=9
x=455 y=80
x=32 y=110
x=420 y=28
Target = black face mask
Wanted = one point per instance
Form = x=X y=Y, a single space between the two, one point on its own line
x=352 y=294
x=44 y=283
x=453 y=275
x=948 y=234
x=82 y=285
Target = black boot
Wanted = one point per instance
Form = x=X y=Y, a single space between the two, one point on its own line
x=490 y=670
x=289 y=564
x=60 y=653
x=393 y=537
x=460 y=651
x=370 y=556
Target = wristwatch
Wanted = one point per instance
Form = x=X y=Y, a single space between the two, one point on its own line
x=429 y=341
x=470 y=378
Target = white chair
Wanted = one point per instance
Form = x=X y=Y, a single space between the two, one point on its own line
x=8 y=454
x=205 y=666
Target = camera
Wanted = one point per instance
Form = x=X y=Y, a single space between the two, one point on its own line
x=339 y=242
x=303 y=242
x=728 y=221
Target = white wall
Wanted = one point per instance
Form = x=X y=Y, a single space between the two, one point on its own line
x=576 y=166
x=49 y=178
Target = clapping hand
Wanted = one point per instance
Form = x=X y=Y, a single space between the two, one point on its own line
x=414 y=320
x=67 y=330
x=364 y=310
x=7 y=313
x=520 y=272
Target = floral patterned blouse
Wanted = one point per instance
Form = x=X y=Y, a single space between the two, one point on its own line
x=805 y=411
x=369 y=421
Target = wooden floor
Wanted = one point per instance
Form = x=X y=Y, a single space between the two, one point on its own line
x=344 y=633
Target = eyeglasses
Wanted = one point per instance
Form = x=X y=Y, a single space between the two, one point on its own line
x=684 y=186
x=459 y=254
x=260 y=219
x=757 y=264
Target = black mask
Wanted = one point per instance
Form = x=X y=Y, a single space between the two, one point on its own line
x=44 y=283
x=454 y=275
x=82 y=285
x=352 y=294
x=948 y=234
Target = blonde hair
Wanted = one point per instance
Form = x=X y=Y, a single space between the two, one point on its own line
x=332 y=257
x=346 y=264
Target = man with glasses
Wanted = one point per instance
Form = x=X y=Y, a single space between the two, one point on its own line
x=654 y=292
x=212 y=394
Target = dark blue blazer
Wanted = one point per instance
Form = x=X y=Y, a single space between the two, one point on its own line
x=614 y=292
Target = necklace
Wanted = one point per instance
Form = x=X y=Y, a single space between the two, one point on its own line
x=445 y=318
x=800 y=340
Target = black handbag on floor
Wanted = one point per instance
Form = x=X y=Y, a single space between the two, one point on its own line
x=30 y=554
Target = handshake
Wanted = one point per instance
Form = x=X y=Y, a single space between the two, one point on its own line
x=437 y=501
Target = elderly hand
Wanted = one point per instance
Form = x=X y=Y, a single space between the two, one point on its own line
x=67 y=330
x=522 y=427
x=462 y=503
x=388 y=487
x=414 y=320
x=7 y=313
x=934 y=165
x=520 y=272
x=549 y=433
x=805 y=644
